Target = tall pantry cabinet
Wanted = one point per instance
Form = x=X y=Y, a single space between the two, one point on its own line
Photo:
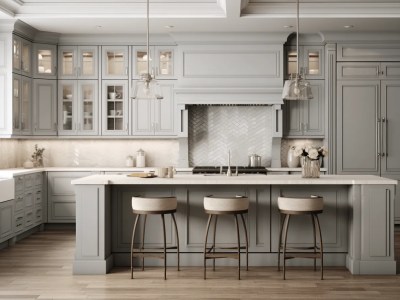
x=368 y=131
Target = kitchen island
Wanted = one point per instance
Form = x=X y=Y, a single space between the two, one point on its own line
x=357 y=222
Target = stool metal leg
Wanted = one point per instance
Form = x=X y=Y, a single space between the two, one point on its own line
x=177 y=238
x=238 y=241
x=165 y=247
x=205 y=244
x=133 y=237
x=247 y=242
x=280 y=241
x=142 y=245
x=287 y=219
x=315 y=241
x=214 y=237
x=321 y=247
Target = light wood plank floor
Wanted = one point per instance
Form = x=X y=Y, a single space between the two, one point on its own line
x=40 y=267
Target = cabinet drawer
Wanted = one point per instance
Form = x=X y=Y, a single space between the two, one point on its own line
x=38 y=180
x=19 y=203
x=29 y=199
x=358 y=70
x=38 y=197
x=29 y=181
x=19 y=222
x=19 y=184
x=29 y=218
x=38 y=215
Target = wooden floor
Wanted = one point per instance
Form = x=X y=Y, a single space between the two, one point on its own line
x=40 y=267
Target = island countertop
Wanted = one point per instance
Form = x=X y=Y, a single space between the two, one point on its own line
x=216 y=179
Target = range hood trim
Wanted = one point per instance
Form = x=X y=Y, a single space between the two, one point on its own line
x=228 y=96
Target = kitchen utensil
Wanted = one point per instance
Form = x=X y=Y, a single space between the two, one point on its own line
x=142 y=175
x=111 y=95
x=254 y=160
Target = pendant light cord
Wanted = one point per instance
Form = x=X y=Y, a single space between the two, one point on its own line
x=297 y=38
x=148 y=37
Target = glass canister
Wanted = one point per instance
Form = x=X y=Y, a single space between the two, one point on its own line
x=140 y=158
x=310 y=168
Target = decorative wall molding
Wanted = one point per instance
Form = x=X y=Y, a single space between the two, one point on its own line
x=330 y=110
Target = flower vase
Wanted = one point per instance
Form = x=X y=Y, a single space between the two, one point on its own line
x=292 y=159
x=311 y=168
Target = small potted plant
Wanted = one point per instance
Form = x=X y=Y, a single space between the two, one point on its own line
x=310 y=160
x=37 y=157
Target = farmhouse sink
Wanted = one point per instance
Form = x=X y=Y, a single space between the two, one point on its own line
x=7 y=190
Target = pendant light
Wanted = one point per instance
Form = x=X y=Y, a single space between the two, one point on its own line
x=147 y=87
x=297 y=88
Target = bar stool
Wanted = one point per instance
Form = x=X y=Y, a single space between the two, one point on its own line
x=301 y=206
x=215 y=206
x=153 y=206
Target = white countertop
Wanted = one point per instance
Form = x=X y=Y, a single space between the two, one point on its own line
x=241 y=179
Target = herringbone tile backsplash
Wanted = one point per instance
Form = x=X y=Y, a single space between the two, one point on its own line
x=245 y=130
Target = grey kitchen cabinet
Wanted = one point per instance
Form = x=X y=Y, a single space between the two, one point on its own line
x=61 y=196
x=368 y=70
x=368 y=126
x=22 y=105
x=44 y=107
x=115 y=62
x=78 y=107
x=311 y=62
x=306 y=118
x=28 y=205
x=44 y=61
x=22 y=56
x=162 y=62
x=6 y=220
x=155 y=117
x=78 y=62
x=115 y=107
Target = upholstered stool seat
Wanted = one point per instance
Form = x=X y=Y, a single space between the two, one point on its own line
x=215 y=206
x=151 y=206
x=313 y=206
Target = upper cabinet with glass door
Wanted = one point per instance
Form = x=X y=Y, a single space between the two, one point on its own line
x=22 y=53
x=162 y=62
x=78 y=62
x=311 y=61
x=115 y=62
x=45 y=61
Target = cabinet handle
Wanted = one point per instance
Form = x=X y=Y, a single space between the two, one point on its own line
x=385 y=121
x=126 y=127
x=378 y=129
x=126 y=70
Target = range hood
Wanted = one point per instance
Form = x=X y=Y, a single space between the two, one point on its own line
x=228 y=96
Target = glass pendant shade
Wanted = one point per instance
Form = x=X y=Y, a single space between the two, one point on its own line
x=297 y=88
x=147 y=89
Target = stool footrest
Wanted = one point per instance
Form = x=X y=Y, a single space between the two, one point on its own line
x=149 y=254
x=154 y=248
x=301 y=248
x=221 y=255
x=302 y=255
x=225 y=248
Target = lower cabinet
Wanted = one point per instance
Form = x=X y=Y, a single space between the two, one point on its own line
x=61 y=196
x=6 y=219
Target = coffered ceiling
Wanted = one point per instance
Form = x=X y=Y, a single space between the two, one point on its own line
x=127 y=16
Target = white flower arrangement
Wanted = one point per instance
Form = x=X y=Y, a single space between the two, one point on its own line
x=311 y=152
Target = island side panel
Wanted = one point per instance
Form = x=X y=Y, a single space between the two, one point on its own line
x=377 y=223
x=93 y=230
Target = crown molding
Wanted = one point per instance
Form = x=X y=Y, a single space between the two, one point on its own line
x=230 y=38
x=360 y=37
x=24 y=30
x=7 y=25
x=45 y=37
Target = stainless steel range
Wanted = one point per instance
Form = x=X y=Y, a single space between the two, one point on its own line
x=224 y=169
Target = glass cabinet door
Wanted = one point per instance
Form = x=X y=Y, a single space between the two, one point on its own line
x=87 y=62
x=16 y=54
x=16 y=103
x=313 y=61
x=88 y=107
x=115 y=99
x=140 y=62
x=26 y=57
x=67 y=95
x=291 y=62
x=115 y=62
x=165 y=64
x=26 y=92
x=67 y=62
x=45 y=61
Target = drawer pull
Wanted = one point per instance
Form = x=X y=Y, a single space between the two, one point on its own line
x=19 y=218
